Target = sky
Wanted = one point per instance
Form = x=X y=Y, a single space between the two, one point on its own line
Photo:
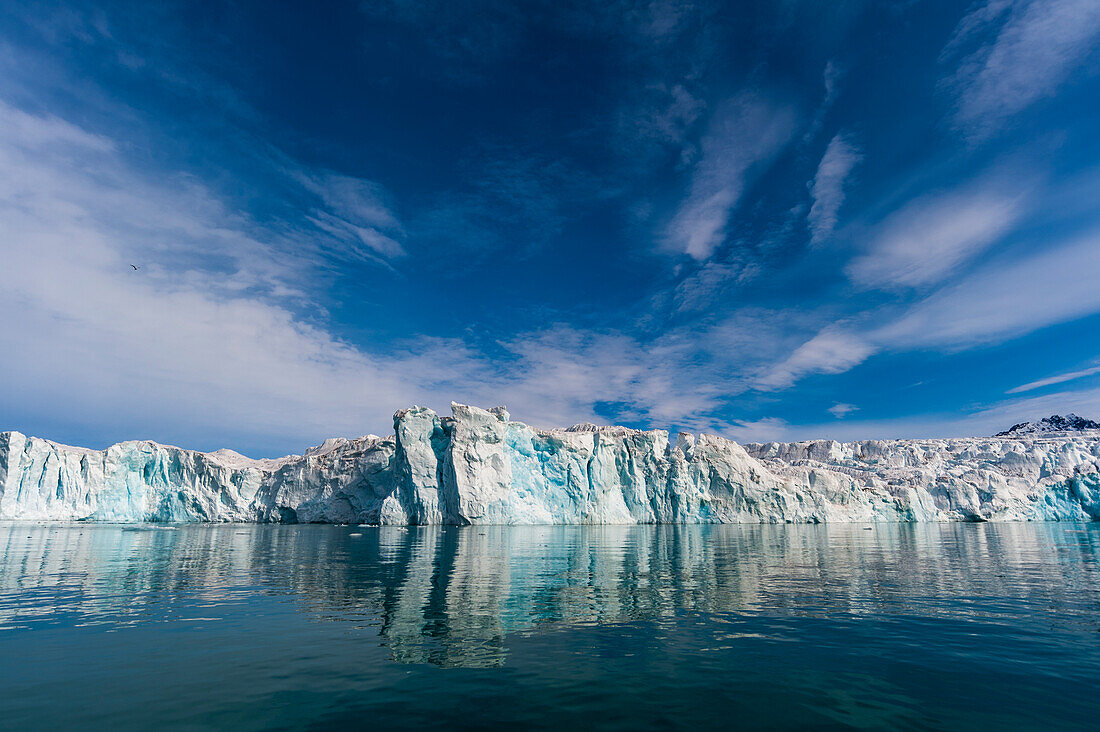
x=770 y=221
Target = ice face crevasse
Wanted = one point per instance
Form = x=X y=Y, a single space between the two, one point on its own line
x=480 y=467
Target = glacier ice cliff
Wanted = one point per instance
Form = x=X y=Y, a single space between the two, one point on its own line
x=480 y=467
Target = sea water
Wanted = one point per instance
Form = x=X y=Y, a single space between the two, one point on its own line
x=933 y=626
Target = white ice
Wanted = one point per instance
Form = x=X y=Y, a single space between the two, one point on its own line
x=480 y=467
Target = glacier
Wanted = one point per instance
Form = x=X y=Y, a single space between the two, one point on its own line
x=478 y=466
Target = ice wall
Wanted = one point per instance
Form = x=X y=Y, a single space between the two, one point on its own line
x=479 y=467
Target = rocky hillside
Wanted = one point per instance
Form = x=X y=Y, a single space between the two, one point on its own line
x=1054 y=424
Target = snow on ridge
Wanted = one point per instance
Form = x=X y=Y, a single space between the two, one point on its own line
x=1054 y=424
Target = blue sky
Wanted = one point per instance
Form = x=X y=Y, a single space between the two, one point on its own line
x=773 y=220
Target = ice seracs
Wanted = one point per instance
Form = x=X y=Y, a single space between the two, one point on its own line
x=477 y=466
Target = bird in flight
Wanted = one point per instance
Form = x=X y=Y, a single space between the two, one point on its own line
x=135 y=267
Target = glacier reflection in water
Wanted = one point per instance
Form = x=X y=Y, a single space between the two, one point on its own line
x=248 y=612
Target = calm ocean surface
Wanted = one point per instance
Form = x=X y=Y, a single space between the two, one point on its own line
x=958 y=626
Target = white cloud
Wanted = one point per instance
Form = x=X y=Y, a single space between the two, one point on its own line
x=832 y=351
x=561 y=373
x=840 y=410
x=979 y=19
x=828 y=186
x=560 y=368
x=200 y=344
x=831 y=78
x=704 y=288
x=38 y=133
x=744 y=133
x=664 y=114
x=1009 y=300
x=999 y=417
x=768 y=429
x=210 y=342
x=1057 y=379
x=989 y=306
x=187 y=351
x=660 y=20
x=684 y=377
x=356 y=213
x=930 y=237
x=979 y=422
x=1036 y=49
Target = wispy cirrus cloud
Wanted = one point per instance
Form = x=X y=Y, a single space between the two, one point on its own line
x=840 y=410
x=1056 y=379
x=827 y=191
x=832 y=351
x=217 y=328
x=269 y=311
x=357 y=212
x=929 y=237
x=211 y=329
x=744 y=134
x=831 y=78
x=1038 y=45
x=657 y=120
x=685 y=375
x=992 y=305
x=980 y=18
x=710 y=283
x=1005 y=301
x=562 y=373
x=974 y=421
